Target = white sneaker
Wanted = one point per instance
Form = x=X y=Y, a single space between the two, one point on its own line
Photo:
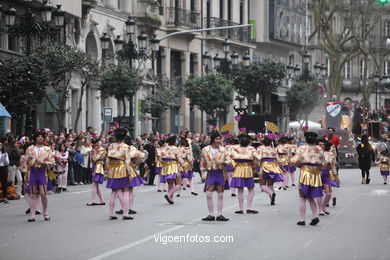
x=81 y=183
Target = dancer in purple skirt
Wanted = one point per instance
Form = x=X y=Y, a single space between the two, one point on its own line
x=231 y=144
x=271 y=169
x=284 y=153
x=292 y=168
x=39 y=158
x=119 y=169
x=188 y=159
x=384 y=165
x=98 y=157
x=329 y=176
x=243 y=158
x=309 y=159
x=161 y=143
x=213 y=159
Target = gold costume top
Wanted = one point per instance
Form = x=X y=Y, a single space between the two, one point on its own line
x=284 y=152
x=188 y=159
x=119 y=161
x=269 y=159
x=171 y=160
x=384 y=163
x=158 y=158
x=137 y=157
x=98 y=157
x=243 y=159
x=309 y=158
x=210 y=162
x=45 y=155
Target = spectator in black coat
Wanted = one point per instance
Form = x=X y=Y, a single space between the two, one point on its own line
x=366 y=156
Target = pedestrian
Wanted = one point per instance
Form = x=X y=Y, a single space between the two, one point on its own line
x=118 y=173
x=86 y=149
x=384 y=165
x=98 y=156
x=78 y=169
x=196 y=152
x=62 y=156
x=244 y=159
x=151 y=159
x=40 y=158
x=4 y=162
x=71 y=160
x=271 y=169
x=13 y=168
x=172 y=160
x=366 y=156
x=213 y=160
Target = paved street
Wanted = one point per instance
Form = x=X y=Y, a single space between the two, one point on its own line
x=358 y=227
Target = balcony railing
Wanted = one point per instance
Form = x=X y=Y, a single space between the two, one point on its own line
x=238 y=34
x=181 y=17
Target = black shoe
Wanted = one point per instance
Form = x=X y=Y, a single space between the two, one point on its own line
x=47 y=218
x=239 y=212
x=188 y=186
x=222 y=218
x=327 y=205
x=64 y=189
x=326 y=212
x=314 y=221
x=37 y=212
x=284 y=188
x=168 y=199
x=58 y=190
x=113 y=218
x=31 y=220
x=322 y=214
x=334 y=202
x=385 y=183
x=132 y=212
x=250 y=211
x=233 y=195
x=293 y=185
x=301 y=223
x=177 y=195
x=287 y=187
x=209 y=218
x=73 y=184
x=280 y=188
x=367 y=181
x=5 y=201
x=119 y=212
x=194 y=193
x=27 y=211
x=165 y=190
x=184 y=189
x=127 y=218
x=273 y=196
x=159 y=190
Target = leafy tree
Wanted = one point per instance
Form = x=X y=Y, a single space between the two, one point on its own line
x=212 y=93
x=65 y=63
x=23 y=82
x=261 y=77
x=120 y=81
x=166 y=94
x=302 y=98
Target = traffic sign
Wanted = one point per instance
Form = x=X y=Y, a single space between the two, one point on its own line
x=107 y=114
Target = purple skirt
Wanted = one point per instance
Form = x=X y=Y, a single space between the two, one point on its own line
x=50 y=185
x=99 y=178
x=164 y=178
x=276 y=177
x=311 y=192
x=216 y=178
x=118 y=183
x=38 y=176
x=384 y=173
x=190 y=174
x=158 y=170
x=242 y=183
x=137 y=181
x=290 y=168
x=325 y=178
x=229 y=168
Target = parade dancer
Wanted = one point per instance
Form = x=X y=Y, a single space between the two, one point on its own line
x=98 y=156
x=119 y=173
x=188 y=159
x=230 y=145
x=309 y=158
x=158 y=159
x=384 y=165
x=243 y=158
x=270 y=170
x=170 y=171
x=329 y=176
x=213 y=159
x=366 y=155
x=292 y=168
x=284 y=154
x=39 y=158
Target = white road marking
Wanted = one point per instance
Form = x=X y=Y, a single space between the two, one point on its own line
x=308 y=243
x=379 y=192
x=145 y=239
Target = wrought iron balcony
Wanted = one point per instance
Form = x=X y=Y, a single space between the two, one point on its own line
x=181 y=17
x=239 y=34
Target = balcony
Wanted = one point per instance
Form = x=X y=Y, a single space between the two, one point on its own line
x=177 y=17
x=238 y=34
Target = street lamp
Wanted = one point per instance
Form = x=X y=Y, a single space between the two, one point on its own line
x=105 y=40
x=376 y=80
x=234 y=58
x=247 y=59
x=226 y=47
x=46 y=11
x=217 y=61
x=130 y=25
x=142 y=41
x=317 y=68
x=155 y=43
x=323 y=70
x=10 y=16
x=59 y=16
x=306 y=58
x=118 y=43
x=297 y=69
x=206 y=61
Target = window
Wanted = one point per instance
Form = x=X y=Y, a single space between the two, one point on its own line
x=241 y=11
x=221 y=9
x=229 y=10
x=361 y=69
x=347 y=70
x=387 y=28
x=386 y=68
x=327 y=67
